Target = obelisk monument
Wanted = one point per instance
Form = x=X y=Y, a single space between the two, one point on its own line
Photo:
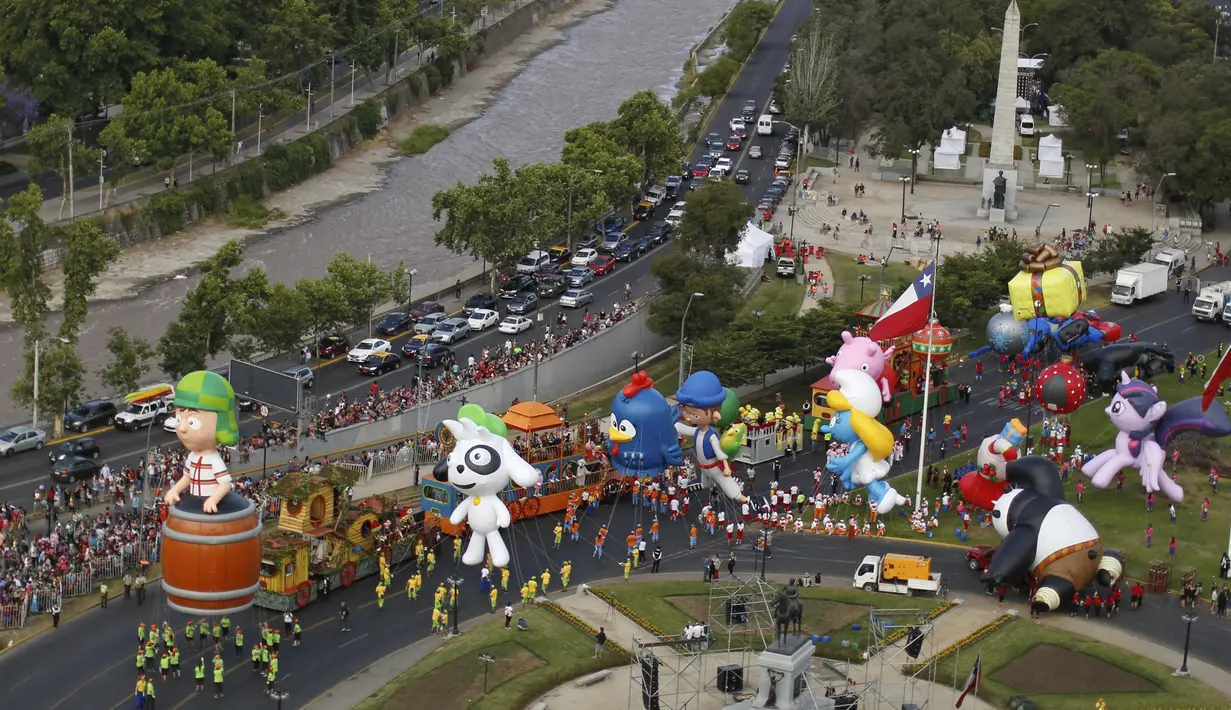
x=1000 y=172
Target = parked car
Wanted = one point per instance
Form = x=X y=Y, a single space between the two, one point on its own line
x=673 y=184
x=979 y=557
x=576 y=298
x=434 y=355
x=451 y=331
x=559 y=255
x=613 y=241
x=90 y=415
x=676 y=215
x=552 y=287
x=412 y=347
x=393 y=324
x=583 y=257
x=73 y=470
x=643 y=211
x=603 y=265
x=614 y=223
x=525 y=302
x=658 y=232
x=532 y=261
x=303 y=373
x=548 y=270
x=380 y=363
x=366 y=347
x=86 y=448
x=430 y=321
x=701 y=169
x=21 y=438
x=580 y=277
x=482 y=319
x=517 y=284
x=425 y=309
x=515 y=324
x=484 y=301
x=332 y=346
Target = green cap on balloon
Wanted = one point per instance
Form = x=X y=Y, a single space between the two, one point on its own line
x=729 y=409
x=490 y=422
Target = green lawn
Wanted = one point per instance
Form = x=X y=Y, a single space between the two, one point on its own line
x=528 y=664
x=1121 y=518
x=1060 y=670
x=827 y=611
x=775 y=297
x=844 y=279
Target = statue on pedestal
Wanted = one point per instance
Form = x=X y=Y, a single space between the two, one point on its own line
x=998 y=188
x=789 y=611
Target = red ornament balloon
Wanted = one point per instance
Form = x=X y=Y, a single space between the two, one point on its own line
x=1061 y=387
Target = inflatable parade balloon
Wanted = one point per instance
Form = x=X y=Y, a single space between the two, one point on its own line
x=982 y=487
x=705 y=404
x=1046 y=286
x=482 y=464
x=1008 y=336
x=1061 y=388
x=211 y=538
x=1147 y=426
x=1046 y=538
x=642 y=438
x=1104 y=365
x=865 y=355
x=856 y=403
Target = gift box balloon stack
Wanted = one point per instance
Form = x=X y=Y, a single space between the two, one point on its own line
x=1047 y=286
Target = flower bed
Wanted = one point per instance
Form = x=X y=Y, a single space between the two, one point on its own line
x=899 y=633
x=580 y=624
x=636 y=618
x=963 y=642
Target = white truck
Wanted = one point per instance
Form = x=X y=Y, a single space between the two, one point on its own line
x=1139 y=281
x=146 y=407
x=1171 y=258
x=897 y=574
x=1212 y=301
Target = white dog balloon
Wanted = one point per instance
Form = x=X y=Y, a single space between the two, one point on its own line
x=481 y=465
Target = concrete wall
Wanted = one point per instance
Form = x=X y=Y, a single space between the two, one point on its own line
x=568 y=372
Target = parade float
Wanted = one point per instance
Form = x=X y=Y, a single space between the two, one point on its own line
x=543 y=440
x=905 y=363
x=321 y=535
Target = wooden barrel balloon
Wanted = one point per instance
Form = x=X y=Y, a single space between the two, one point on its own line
x=211 y=562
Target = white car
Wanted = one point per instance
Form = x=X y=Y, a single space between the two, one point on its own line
x=737 y=124
x=451 y=331
x=773 y=108
x=515 y=324
x=367 y=348
x=722 y=167
x=583 y=257
x=576 y=298
x=754 y=152
x=783 y=162
x=656 y=195
x=482 y=319
x=676 y=215
x=170 y=424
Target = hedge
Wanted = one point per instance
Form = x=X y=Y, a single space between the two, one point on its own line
x=985 y=150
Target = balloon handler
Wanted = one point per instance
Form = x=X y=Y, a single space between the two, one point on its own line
x=700 y=408
x=205 y=408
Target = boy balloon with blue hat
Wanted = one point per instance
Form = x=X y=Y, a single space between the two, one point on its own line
x=701 y=399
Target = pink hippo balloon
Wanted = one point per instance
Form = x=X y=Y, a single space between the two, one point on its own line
x=865 y=355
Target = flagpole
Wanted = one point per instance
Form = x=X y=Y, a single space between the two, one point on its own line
x=927 y=379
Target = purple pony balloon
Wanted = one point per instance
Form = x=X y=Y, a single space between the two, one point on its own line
x=1147 y=427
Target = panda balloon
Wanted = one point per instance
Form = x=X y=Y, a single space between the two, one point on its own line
x=1047 y=538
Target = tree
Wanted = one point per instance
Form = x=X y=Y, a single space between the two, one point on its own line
x=780 y=338
x=968 y=285
x=596 y=148
x=679 y=277
x=23 y=236
x=1120 y=249
x=327 y=308
x=130 y=357
x=89 y=252
x=278 y=323
x=362 y=283
x=734 y=356
x=714 y=221
x=823 y=324
x=298 y=34
x=744 y=25
x=812 y=97
x=649 y=130
x=50 y=145
x=714 y=79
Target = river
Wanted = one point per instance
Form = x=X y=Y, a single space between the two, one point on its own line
x=602 y=60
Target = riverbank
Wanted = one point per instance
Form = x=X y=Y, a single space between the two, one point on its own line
x=353 y=175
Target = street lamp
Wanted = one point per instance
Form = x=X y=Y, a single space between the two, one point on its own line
x=683 y=321
x=1154 y=200
x=1182 y=671
x=410 y=286
x=863 y=279
x=102 y=155
x=1038 y=230
x=1090 y=211
x=914 y=162
x=487 y=659
x=37 y=347
x=455 y=580
x=637 y=355
x=904 y=179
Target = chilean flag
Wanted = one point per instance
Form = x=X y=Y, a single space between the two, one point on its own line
x=910 y=312
x=1222 y=373
x=972 y=681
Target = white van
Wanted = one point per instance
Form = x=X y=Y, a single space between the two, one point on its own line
x=532 y=261
x=765 y=125
x=1025 y=124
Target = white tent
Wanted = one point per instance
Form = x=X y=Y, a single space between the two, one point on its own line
x=1021 y=105
x=1055 y=116
x=1051 y=157
x=755 y=248
x=948 y=155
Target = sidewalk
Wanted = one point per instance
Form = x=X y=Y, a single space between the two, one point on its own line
x=327 y=106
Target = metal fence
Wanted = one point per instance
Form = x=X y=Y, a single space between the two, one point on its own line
x=13 y=615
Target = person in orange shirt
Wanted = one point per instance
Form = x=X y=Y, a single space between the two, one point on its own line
x=692 y=538
x=639 y=532
x=632 y=542
x=654 y=531
x=598 y=542
x=575 y=531
x=663 y=501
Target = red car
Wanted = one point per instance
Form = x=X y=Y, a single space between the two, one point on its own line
x=332 y=346
x=700 y=170
x=603 y=265
x=735 y=143
x=979 y=557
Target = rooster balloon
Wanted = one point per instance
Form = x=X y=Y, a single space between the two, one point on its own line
x=642 y=436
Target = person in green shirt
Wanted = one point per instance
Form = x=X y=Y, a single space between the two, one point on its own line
x=256 y=658
x=175 y=661
x=273 y=662
x=141 y=632
x=149 y=694
x=102 y=594
x=217 y=680
x=277 y=639
x=264 y=657
x=298 y=632
x=190 y=630
x=226 y=626
x=140 y=660
x=164 y=665
x=199 y=672
x=239 y=641
x=270 y=678
x=149 y=655
x=217 y=633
